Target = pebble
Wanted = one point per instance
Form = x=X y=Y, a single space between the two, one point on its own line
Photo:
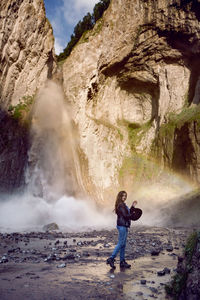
x=69 y=256
x=169 y=248
x=143 y=281
x=161 y=273
x=112 y=276
x=154 y=290
x=167 y=270
x=61 y=266
x=155 y=252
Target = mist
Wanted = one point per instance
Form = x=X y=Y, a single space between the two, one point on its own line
x=26 y=213
x=54 y=190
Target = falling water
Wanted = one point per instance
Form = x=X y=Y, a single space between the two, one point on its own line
x=53 y=168
x=54 y=190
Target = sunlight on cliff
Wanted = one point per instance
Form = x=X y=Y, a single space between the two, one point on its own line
x=55 y=192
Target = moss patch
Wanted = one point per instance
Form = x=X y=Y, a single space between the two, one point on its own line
x=135 y=132
x=178 y=282
x=187 y=115
x=165 y=138
x=21 y=111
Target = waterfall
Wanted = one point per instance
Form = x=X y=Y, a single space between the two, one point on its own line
x=54 y=190
x=53 y=167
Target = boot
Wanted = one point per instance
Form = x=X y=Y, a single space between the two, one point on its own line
x=110 y=261
x=124 y=264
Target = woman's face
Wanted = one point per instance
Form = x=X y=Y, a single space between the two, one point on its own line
x=124 y=196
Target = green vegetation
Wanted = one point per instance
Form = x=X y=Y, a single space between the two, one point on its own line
x=175 y=121
x=136 y=132
x=20 y=111
x=179 y=280
x=84 y=26
x=188 y=114
x=138 y=167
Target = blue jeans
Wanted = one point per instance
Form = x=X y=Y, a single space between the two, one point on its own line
x=121 y=245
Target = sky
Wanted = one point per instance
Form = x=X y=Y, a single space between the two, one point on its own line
x=64 y=15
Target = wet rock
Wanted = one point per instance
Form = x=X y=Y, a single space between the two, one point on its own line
x=58 y=258
x=93 y=243
x=4 y=259
x=69 y=256
x=85 y=253
x=50 y=258
x=50 y=227
x=30 y=273
x=155 y=252
x=167 y=270
x=154 y=290
x=72 y=250
x=180 y=259
x=169 y=248
x=161 y=273
x=62 y=266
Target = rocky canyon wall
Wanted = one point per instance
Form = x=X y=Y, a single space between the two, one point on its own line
x=133 y=84
x=27 y=59
x=26 y=49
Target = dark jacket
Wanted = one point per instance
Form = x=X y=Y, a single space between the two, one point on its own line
x=123 y=215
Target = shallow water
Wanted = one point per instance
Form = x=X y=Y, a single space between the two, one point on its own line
x=27 y=276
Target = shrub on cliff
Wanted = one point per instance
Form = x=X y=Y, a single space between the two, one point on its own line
x=21 y=110
x=87 y=23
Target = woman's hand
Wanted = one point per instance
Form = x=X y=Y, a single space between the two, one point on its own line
x=134 y=203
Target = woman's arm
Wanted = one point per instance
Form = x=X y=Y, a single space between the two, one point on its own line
x=122 y=210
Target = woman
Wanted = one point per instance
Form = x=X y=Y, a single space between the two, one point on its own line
x=123 y=223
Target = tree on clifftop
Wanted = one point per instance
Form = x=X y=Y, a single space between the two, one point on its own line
x=87 y=23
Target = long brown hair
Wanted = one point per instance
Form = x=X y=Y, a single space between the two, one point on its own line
x=119 y=199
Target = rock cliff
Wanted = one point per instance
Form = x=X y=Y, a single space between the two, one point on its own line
x=133 y=83
x=26 y=49
x=26 y=61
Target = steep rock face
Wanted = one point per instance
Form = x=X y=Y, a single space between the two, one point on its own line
x=26 y=61
x=26 y=49
x=139 y=65
x=14 y=141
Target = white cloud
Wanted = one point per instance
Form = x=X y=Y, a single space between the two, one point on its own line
x=74 y=10
x=59 y=45
x=65 y=17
